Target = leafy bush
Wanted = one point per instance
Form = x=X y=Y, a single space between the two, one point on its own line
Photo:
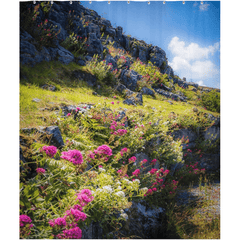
x=151 y=74
x=41 y=31
x=102 y=71
x=211 y=101
x=75 y=44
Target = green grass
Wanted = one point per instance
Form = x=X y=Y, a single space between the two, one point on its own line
x=199 y=219
x=71 y=91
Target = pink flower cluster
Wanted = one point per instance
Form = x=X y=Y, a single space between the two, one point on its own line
x=153 y=161
x=25 y=225
x=71 y=218
x=104 y=150
x=132 y=159
x=73 y=233
x=73 y=156
x=49 y=150
x=24 y=220
x=84 y=197
x=77 y=214
x=136 y=172
x=124 y=150
x=101 y=153
x=61 y=222
x=153 y=170
x=120 y=132
x=195 y=170
x=40 y=170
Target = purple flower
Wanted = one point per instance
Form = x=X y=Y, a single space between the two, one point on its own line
x=73 y=156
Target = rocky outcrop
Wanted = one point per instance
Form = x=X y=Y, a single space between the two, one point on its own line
x=130 y=78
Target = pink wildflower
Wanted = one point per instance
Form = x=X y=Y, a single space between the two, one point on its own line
x=73 y=156
x=78 y=215
x=73 y=233
x=136 y=172
x=152 y=171
x=40 y=170
x=132 y=159
x=49 y=150
x=153 y=161
x=104 y=150
x=69 y=114
x=24 y=219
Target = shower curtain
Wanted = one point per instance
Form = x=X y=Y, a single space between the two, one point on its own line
x=119 y=119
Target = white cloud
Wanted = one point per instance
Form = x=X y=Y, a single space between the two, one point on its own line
x=192 y=61
x=204 y=7
x=191 y=52
x=201 y=83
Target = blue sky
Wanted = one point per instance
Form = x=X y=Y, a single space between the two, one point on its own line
x=189 y=33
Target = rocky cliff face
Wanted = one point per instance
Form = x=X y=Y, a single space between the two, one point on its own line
x=57 y=21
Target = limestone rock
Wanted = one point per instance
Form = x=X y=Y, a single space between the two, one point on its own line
x=130 y=78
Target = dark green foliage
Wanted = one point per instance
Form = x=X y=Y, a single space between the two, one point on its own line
x=211 y=101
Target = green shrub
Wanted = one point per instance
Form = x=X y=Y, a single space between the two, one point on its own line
x=211 y=101
x=75 y=44
x=151 y=74
x=102 y=71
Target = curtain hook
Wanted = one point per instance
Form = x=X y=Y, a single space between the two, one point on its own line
x=128 y=2
x=34 y=2
x=164 y=2
x=183 y=2
x=148 y=2
x=90 y=2
x=52 y=2
x=201 y=2
x=109 y=2
x=70 y=2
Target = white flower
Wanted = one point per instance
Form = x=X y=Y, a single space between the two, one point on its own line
x=102 y=170
x=108 y=189
x=144 y=190
x=124 y=215
x=118 y=183
x=119 y=188
x=137 y=180
x=120 y=194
